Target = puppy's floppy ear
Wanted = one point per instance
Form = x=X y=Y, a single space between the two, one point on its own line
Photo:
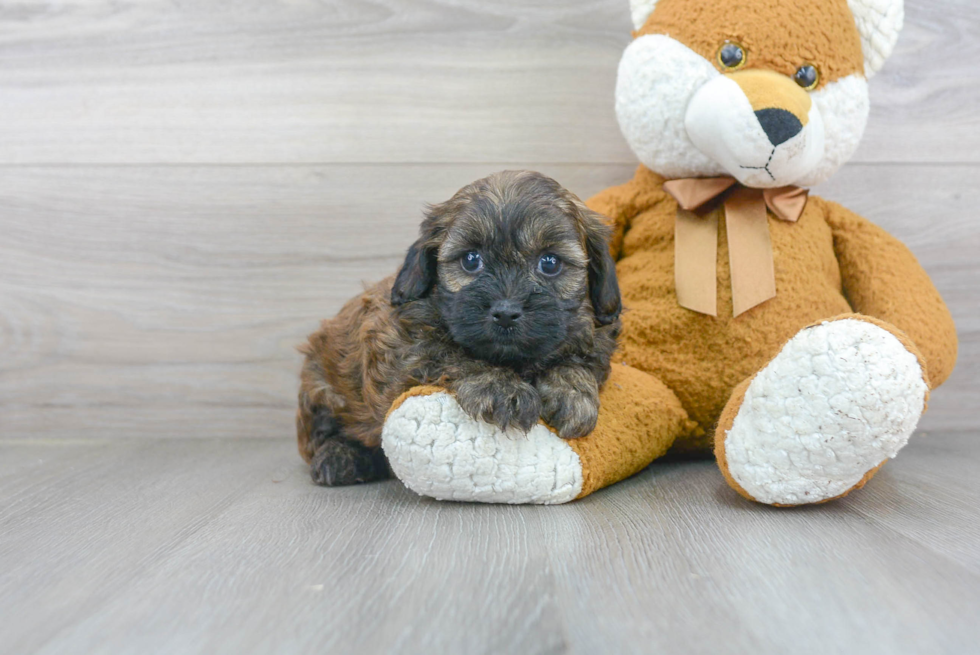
x=603 y=285
x=418 y=274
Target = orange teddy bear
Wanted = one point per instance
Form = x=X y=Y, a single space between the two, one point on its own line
x=791 y=336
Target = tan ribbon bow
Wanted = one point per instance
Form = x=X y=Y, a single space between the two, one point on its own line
x=749 y=245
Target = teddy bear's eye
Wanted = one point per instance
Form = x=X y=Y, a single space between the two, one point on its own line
x=731 y=56
x=807 y=76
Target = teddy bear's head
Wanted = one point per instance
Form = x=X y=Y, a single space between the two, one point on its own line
x=770 y=92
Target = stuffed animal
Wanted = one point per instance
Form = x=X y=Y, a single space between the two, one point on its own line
x=788 y=335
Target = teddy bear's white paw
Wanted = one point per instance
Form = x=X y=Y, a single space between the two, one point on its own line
x=839 y=399
x=437 y=450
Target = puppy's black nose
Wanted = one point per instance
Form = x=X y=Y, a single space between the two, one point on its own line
x=505 y=312
x=779 y=125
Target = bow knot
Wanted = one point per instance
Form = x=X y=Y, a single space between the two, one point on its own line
x=749 y=244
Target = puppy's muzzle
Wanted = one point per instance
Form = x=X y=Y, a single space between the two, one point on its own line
x=506 y=313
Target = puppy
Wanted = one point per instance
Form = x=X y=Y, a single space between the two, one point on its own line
x=508 y=299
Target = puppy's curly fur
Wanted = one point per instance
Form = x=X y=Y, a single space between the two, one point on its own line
x=509 y=299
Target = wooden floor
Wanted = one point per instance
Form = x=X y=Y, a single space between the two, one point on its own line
x=186 y=188
x=222 y=546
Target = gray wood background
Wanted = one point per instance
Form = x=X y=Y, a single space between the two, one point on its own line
x=186 y=188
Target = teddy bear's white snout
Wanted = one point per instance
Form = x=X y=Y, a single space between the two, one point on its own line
x=760 y=147
x=684 y=118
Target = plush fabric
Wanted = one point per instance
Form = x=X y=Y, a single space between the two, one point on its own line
x=878 y=22
x=437 y=451
x=803 y=397
x=823 y=33
x=835 y=446
x=672 y=101
x=826 y=258
x=843 y=105
x=838 y=400
x=639 y=420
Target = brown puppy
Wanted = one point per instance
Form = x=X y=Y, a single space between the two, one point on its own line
x=508 y=299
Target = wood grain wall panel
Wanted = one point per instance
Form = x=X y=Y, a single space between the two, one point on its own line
x=394 y=81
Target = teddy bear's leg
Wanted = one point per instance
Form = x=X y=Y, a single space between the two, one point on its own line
x=437 y=450
x=839 y=400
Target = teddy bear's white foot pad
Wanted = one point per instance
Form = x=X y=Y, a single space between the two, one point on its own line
x=839 y=399
x=437 y=450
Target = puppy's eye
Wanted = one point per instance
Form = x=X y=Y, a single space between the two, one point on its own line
x=471 y=262
x=549 y=265
x=807 y=76
x=731 y=56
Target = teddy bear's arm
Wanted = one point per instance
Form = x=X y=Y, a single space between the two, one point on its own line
x=883 y=279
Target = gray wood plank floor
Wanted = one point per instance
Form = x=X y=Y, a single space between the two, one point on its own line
x=186 y=188
x=222 y=546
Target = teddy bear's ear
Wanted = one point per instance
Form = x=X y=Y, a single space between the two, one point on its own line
x=879 y=22
x=640 y=11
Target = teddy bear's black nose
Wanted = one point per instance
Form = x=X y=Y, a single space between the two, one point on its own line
x=779 y=125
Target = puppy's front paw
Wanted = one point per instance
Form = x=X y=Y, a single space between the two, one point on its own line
x=572 y=413
x=570 y=399
x=504 y=403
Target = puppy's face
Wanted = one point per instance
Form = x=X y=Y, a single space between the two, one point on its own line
x=518 y=265
x=512 y=275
